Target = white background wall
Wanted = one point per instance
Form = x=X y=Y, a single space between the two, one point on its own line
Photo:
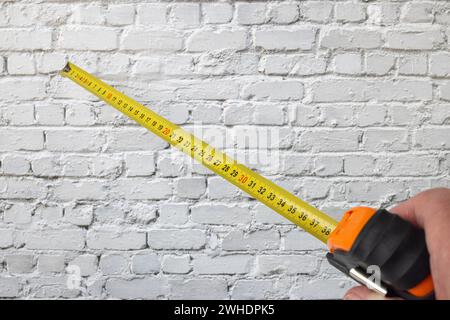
x=356 y=93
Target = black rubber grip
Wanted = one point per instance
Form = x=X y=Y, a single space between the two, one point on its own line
x=396 y=246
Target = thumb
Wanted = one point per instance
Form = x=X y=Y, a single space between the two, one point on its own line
x=363 y=293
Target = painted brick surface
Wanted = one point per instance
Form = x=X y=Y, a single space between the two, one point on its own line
x=341 y=102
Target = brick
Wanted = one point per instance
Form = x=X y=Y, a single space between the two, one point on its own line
x=207 y=114
x=13 y=89
x=219 y=188
x=113 y=264
x=49 y=213
x=283 y=13
x=250 y=13
x=134 y=140
x=22 y=15
x=16 y=39
x=80 y=215
x=171 y=165
x=51 y=263
x=151 y=40
x=209 y=90
x=191 y=188
x=22 y=263
x=231 y=264
x=15 y=165
x=328 y=166
x=379 y=64
x=70 y=239
x=141 y=189
x=316 y=11
x=444 y=91
x=440 y=114
x=268 y=115
x=339 y=90
x=198 y=289
x=377 y=140
x=74 y=140
x=80 y=115
x=285 y=264
x=87 y=264
x=22 y=188
x=413 y=65
x=9 y=287
x=49 y=114
x=432 y=138
x=120 y=15
x=185 y=15
x=237 y=114
x=208 y=40
x=350 y=12
x=383 y=13
x=54 y=14
x=173 y=213
x=116 y=240
x=176 y=264
x=412 y=165
x=348 y=63
x=274 y=90
x=324 y=140
x=140 y=164
x=52 y=287
x=413 y=40
x=145 y=288
x=371 y=115
x=21 y=64
x=89 y=14
x=350 y=39
x=307 y=65
x=178 y=65
x=152 y=14
x=216 y=13
x=256 y=240
x=220 y=214
x=417 y=12
x=285 y=39
x=253 y=289
x=19 y=213
x=277 y=64
x=88 y=38
x=105 y=166
x=321 y=289
x=294 y=164
x=79 y=190
x=20 y=115
x=439 y=64
x=6 y=238
x=298 y=240
x=377 y=191
x=144 y=264
x=176 y=239
x=442 y=16
x=401 y=90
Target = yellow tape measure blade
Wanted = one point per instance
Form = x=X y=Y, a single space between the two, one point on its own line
x=281 y=201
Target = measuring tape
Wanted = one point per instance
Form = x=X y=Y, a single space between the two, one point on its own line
x=285 y=203
x=363 y=238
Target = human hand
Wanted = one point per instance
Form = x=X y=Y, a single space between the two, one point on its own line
x=429 y=210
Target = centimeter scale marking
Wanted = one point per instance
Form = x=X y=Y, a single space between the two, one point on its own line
x=281 y=201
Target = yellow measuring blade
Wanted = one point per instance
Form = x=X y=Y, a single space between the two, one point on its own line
x=281 y=201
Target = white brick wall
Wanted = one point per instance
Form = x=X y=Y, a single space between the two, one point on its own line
x=357 y=93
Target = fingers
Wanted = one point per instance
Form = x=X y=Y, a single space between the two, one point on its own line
x=362 y=293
